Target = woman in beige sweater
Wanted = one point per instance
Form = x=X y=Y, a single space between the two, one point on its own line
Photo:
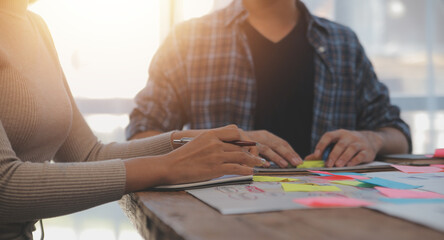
x=39 y=122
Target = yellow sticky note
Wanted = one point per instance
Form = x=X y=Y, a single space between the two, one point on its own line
x=273 y=179
x=312 y=164
x=290 y=187
x=352 y=183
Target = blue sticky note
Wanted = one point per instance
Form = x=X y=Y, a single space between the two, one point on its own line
x=327 y=151
x=412 y=200
x=321 y=174
x=349 y=173
x=389 y=184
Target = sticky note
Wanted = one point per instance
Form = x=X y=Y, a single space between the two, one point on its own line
x=353 y=183
x=312 y=164
x=389 y=184
x=273 y=179
x=411 y=200
x=331 y=202
x=291 y=187
x=321 y=173
x=415 y=169
x=439 y=153
x=349 y=173
x=336 y=177
x=403 y=193
x=353 y=175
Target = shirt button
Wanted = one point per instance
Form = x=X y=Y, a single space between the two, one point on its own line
x=321 y=49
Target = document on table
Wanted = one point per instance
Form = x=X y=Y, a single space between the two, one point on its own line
x=270 y=196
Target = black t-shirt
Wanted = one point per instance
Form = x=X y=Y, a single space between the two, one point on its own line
x=284 y=74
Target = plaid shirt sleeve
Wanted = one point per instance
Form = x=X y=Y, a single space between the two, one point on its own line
x=373 y=101
x=160 y=105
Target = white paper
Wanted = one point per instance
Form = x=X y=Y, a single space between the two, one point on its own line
x=269 y=196
x=431 y=215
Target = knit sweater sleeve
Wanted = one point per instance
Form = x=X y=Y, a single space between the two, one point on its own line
x=30 y=191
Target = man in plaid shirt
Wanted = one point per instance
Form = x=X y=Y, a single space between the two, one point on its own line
x=295 y=83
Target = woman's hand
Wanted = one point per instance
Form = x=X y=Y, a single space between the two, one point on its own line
x=274 y=148
x=207 y=156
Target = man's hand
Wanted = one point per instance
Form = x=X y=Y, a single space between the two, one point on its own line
x=351 y=147
x=274 y=148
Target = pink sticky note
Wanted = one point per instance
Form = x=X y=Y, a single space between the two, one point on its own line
x=413 y=169
x=331 y=202
x=407 y=193
x=437 y=165
x=320 y=172
x=439 y=153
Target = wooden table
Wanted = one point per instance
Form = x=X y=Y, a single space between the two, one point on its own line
x=178 y=215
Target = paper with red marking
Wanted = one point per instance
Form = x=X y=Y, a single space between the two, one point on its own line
x=406 y=193
x=331 y=202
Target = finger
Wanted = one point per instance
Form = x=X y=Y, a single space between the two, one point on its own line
x=311 y=157
x=272 y=156
x=228 y=133
x=229 y=147
x=352 y=150
x=287 y=152
x=326 y=139
x=358 y=159
x=245 y=158
x=337 y=151
x=232 y=168
x=254 y=150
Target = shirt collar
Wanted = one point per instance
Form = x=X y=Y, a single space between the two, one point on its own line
x=236 y=13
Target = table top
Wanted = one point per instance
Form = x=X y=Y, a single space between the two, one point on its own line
x=178 y=215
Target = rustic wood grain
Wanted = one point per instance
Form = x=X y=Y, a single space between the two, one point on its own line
x=178 y=215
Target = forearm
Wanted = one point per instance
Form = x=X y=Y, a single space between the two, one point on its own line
x=145 y=134
x=142 y=173
x=388 y=140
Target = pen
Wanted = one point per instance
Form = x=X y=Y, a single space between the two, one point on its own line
x=237 y=142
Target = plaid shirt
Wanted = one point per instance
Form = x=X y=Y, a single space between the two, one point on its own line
x=202 y=77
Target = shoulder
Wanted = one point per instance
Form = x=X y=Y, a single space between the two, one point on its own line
x=336 y=32
x=206 y=25
x=38 y=20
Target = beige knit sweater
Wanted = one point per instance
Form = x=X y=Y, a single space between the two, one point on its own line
x=39 y=122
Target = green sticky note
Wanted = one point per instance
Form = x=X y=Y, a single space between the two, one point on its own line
x=290 y=187
x=312 y=164
x=353 y=183
x=273 y=179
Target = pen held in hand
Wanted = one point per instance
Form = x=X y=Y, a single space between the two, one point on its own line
x=237 y=142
